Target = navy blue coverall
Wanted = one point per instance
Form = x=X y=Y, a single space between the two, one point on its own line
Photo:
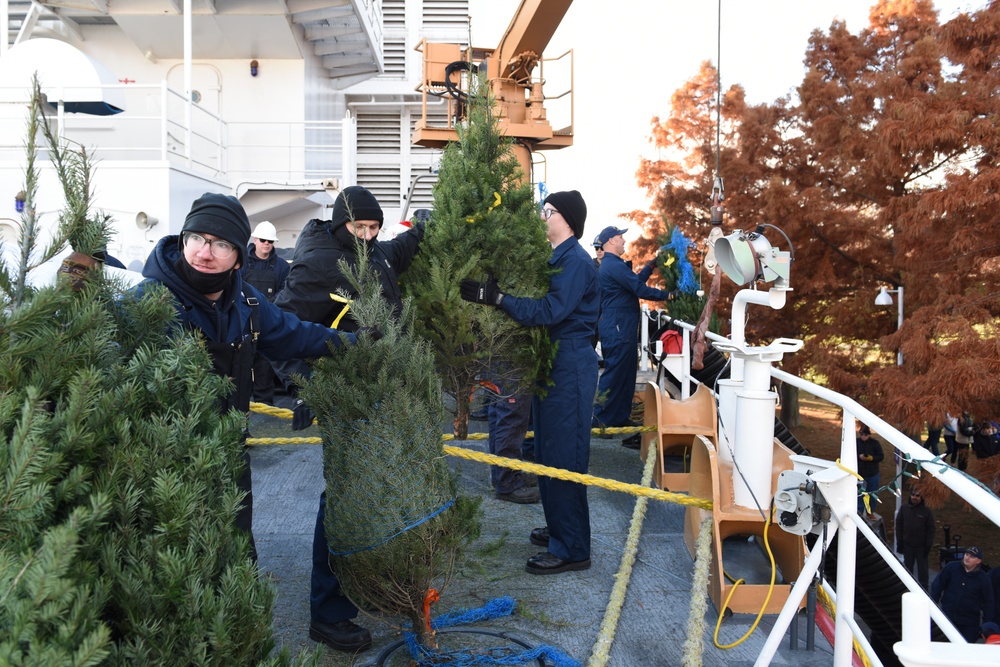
x=618 y=328
x=562 y=417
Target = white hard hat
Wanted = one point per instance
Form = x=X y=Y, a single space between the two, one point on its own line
x=266 y=231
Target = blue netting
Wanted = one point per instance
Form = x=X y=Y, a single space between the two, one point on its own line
x=679 y=245
x=482 y=657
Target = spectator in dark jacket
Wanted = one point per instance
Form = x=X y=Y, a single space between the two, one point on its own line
x=964 y=593
x=915 y=535
x=985 y=441
x=870 y=455
x=266 y=272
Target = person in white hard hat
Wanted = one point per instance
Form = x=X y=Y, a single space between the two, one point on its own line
x=267 y=272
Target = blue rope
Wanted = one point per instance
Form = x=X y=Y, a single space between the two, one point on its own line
x=397 y=533
x=495 y=608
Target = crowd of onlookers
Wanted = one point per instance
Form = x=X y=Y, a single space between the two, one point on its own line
x=960 y=434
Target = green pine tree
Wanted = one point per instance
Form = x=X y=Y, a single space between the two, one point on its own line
x=395 y=522
x=485 y=224
x=118 y=493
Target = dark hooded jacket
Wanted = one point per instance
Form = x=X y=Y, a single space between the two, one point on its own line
x=267 y=275
x=226 y=324
x=315 y=276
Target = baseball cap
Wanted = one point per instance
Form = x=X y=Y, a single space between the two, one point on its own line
x=607 y=234
x=974 y=551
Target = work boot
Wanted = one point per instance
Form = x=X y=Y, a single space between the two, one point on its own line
x=344 y=635
x=633 y=441
x=524 y=495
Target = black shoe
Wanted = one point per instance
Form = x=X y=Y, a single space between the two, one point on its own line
x=540 y=537
x=530 y=479
x=344 y=635
x=633 y=441
x=546 y=563
x=524 y=495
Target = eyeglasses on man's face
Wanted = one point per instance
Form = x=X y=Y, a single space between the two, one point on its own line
x=220 y=249
x=265 y=241
x=547 y=212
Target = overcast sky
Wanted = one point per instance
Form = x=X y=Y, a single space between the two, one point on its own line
x=631 y=55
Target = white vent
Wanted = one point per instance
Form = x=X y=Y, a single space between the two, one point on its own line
x=445 y=14
x=394 y=59
x=393 y=14
x=378 y=133
x=383 y=182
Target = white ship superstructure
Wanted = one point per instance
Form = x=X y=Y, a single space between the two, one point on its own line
x=280 y=103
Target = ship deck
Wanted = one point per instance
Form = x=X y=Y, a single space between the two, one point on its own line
x=564 y=611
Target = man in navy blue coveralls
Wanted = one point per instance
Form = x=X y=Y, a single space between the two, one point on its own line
x=562 y=418
x=618 y=329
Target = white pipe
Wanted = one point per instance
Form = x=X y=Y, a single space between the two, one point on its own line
x=753 y=449
x=188 y=87
x=774 y=297
x=847 y=543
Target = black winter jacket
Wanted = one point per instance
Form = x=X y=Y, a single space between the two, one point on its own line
x=315 y=277
x=874 y=449
x=266 y=275
x=915 y=526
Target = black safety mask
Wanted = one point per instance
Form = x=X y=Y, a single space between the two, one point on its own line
x=203 y=283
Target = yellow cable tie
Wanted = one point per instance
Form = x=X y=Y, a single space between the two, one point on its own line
x=347 y=306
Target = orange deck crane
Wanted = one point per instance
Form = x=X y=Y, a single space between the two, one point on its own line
x=510 y=67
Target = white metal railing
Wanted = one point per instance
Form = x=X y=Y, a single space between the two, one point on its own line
x=154 y=126
x=969 y=489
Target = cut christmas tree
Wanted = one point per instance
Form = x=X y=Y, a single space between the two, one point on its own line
x=395 y=523
x=485 y=224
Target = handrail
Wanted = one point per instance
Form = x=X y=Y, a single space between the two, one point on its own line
x=966 y=487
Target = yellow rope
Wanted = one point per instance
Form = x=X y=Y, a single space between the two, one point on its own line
x=580 y=478
x=282 y=413
x=602 y=647
x=831 y=608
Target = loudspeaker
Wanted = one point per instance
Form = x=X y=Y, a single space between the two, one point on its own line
x=144 y=221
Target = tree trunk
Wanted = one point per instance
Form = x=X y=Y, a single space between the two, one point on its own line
x=462 y=405
x=790 y=406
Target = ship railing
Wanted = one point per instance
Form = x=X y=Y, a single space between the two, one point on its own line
x=978 y=497
x=157 y=124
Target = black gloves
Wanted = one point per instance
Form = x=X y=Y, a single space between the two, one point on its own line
x=302 y=416
x=672 y=295
x=371 y=332
x=477 y=292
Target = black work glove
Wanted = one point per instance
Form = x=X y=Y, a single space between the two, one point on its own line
x=477 y=292
x=302 y=416
x=672 y=295
x=371 y=332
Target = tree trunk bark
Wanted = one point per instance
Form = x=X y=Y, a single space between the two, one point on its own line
x=790 y=416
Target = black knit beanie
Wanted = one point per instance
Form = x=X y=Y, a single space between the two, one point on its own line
x=355 y=203
x=572 y=207
x=222 y=216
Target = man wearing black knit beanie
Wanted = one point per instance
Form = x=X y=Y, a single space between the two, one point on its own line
x=562 y=417
x=312 y=291
x=199 y=267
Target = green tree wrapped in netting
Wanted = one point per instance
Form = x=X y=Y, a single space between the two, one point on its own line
x=118 y=492
x=485 y=224
x=394 y=520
